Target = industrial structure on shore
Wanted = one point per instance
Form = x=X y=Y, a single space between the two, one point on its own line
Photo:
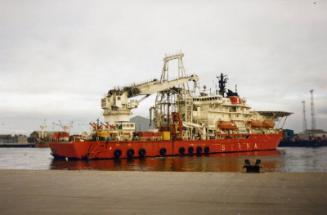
x=308 y=137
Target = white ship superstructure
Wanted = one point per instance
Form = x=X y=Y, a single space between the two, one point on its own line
x=205 y=115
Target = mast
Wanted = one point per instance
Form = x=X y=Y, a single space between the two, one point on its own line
x=222 y=80
x=313 y=119
x=305 y=128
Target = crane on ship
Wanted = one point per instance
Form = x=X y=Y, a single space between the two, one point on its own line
x=119 y=102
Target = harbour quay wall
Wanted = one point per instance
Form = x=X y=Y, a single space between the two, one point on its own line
x=128 y=192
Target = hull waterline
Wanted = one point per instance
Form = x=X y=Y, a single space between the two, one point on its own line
x=134 y=149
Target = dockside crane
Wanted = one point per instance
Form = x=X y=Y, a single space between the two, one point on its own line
x=313 y=118
x=305 y=128
x=64 y=127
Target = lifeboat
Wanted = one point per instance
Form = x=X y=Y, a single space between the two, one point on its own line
x=256 y=123
x=268 y=124
x=227 y=125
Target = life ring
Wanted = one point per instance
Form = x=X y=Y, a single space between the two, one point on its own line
x=130 y=153
x=199 y=150
x=181 y=151
x=190 y=150
x=206 y=150
x=117 y=153
x=163 y=152
x=142 y=153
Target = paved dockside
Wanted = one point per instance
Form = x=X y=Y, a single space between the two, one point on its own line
x=110 y=192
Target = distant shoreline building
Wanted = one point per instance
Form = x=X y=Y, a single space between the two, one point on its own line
x=316 y=133
x=13 y=139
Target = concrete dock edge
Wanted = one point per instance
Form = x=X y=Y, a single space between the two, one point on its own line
x=124 y=192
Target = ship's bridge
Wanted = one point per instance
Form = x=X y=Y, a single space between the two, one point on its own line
x=207 y=98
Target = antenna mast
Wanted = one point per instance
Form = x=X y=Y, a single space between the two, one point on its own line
x=313 y=119
x=305 y=128
x=222 y=80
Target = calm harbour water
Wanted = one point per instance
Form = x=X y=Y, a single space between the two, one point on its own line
x=291 y=159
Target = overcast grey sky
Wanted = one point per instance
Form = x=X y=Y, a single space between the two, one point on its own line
x=58 y=58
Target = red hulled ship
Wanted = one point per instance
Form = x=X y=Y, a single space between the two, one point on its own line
x=187 y=122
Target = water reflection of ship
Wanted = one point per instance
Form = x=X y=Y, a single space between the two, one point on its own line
x=222 y=162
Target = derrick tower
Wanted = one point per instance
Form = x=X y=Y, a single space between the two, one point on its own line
x=175 y=99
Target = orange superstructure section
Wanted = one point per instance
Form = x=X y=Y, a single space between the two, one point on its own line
x=234 y=99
